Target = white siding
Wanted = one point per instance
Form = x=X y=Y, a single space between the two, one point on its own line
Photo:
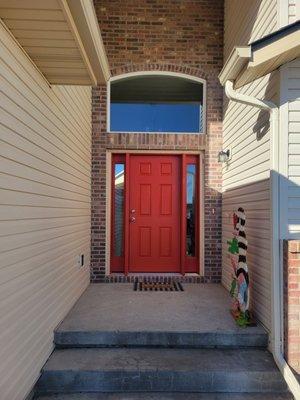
x=290 y=132
x=293 y=10
x=293 y=87
x=246 y=133
x=45 y=140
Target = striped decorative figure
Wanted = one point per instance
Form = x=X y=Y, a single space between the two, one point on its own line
x=242 y=268
x=240 y=284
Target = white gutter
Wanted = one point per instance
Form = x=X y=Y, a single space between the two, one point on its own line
x=235 y=63
x=277 y=279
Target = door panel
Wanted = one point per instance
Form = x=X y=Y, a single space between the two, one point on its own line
x=154 y=204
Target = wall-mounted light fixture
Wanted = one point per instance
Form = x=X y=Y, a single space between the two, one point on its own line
x=224 y=156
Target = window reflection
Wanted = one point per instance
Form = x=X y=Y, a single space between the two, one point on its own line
x=148 y=117
x=190 y=209
x=118 y=209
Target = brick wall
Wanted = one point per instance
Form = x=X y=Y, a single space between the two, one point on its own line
x=291 y=267
x=162 y=35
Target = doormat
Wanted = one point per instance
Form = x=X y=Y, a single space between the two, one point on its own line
x=170 y=286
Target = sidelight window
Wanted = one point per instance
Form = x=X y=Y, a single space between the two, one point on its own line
x=190 y=209
x=118 y=212
x=119 y=174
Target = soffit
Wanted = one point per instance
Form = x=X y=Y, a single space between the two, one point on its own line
x=51 y=36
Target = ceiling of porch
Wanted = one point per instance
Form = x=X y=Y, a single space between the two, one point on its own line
x=61 y=37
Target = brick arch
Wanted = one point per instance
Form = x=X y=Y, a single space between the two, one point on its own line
x=163 y=67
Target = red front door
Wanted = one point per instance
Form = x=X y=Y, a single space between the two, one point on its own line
x=154 y=213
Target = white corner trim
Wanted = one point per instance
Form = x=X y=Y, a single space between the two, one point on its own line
x=282 y=13
x=283 y=145
x=68 y=15
x=91 y=18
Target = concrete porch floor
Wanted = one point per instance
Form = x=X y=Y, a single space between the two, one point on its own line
x=201 y=308
x=121 y=344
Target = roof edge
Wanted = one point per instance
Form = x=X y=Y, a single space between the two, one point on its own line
x=295 y=26
x=84 y=16
x=235 y=63
x=247 y=63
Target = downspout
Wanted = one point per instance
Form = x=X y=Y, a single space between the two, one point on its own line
x=277 y=281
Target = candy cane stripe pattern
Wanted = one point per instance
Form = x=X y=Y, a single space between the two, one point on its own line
x=242 y=269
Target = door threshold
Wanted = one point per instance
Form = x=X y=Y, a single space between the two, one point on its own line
x=161 y=274
x=132 y=277
x=154 y=274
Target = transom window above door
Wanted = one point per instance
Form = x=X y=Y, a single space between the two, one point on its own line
x=156 y=103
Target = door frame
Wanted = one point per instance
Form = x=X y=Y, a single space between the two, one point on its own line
x=109 y=186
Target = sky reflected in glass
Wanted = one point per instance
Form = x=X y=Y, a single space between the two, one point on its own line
x=155 y=117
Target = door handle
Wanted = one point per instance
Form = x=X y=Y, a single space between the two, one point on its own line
x=132 y=219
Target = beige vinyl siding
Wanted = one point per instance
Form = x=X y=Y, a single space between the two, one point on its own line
x=247 y=21
x=246 y=133
x=255 y=199
x=45 y=140
x=290 y=183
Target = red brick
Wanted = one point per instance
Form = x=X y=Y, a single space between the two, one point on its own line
x=291 y=272
x=294 y=262
x=185 y=36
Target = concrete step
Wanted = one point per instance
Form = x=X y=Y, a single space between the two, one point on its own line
x=161 y=370
x=116 y=315
x=249 y=337
x=168 y=396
